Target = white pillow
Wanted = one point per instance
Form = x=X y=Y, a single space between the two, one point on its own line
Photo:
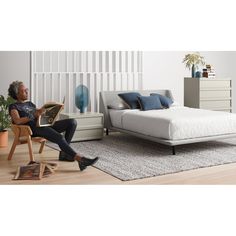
x=175 y=104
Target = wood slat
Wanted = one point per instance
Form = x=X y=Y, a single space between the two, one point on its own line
x=112 y=70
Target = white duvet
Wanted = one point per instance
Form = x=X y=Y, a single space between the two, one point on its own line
x=175 y=123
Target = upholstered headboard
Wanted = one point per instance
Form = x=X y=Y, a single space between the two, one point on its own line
x=107 y=98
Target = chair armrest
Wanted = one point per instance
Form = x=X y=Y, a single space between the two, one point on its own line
x=21 y=130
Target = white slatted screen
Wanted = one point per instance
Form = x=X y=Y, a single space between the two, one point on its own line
x=56 y=74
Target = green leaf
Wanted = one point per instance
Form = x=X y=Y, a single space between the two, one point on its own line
x=5 y=119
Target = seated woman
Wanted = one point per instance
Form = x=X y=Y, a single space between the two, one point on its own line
x=24 y=112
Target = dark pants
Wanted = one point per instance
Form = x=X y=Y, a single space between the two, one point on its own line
x=53 y=134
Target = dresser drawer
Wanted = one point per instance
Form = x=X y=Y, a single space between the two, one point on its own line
x=88 y=134
x=89 y=121
x=215 y=104
x=215 y=94
x=224 y=110
x=215 y=84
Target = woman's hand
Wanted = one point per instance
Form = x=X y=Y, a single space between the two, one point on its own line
x=39 y=112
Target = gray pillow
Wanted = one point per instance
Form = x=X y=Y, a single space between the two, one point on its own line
x=149 y=103
x=165 y=101
x=117 y=106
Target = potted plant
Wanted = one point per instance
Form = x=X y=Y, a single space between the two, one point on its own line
x=192 y=61
x=5 y=121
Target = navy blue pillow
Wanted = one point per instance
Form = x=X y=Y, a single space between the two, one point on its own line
x=149 y=103
x=131 y=99
x=165 y=101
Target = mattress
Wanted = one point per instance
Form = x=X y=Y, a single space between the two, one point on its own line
x=175 y=123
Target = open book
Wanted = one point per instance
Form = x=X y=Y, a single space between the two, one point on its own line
x=52 y=110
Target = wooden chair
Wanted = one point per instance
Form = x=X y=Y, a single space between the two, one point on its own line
x=22 y=136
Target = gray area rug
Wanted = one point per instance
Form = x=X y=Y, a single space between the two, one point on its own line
x=127 y=157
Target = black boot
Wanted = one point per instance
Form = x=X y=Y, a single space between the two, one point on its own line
x=84 y=162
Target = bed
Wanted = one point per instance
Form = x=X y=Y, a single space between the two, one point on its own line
x=174 y=126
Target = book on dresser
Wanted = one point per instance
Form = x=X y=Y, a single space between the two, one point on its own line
x=208 y=93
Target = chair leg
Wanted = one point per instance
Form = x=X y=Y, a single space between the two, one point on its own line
x=30 y=149
x=41 y=146
x=13 y=147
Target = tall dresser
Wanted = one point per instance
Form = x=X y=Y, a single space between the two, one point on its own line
x=212 y=94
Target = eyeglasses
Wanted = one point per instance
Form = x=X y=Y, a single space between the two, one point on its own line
x=24 y=90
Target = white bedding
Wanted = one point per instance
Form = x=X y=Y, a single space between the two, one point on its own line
x=175 y=123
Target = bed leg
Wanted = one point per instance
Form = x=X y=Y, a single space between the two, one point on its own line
x=107 y=131
x=173 y=150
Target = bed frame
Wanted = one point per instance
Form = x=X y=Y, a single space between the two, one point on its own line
x=110 y=97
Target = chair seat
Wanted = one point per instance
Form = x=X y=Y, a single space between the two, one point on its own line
x=22 y=136
x=38 y=139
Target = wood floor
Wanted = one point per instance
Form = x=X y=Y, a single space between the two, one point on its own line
x=68 y=173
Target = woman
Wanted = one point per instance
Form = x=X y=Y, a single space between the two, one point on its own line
x=24 y=112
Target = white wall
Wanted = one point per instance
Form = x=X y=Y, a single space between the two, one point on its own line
x=160 y=69
x=165 y=70
x=14 y=66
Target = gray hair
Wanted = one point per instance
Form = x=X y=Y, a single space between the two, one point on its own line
x=14 y=89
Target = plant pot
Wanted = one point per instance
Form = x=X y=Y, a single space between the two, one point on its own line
x=3 y=138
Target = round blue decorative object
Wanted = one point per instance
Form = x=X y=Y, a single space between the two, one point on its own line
x=198 y=74
x=82 y=98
